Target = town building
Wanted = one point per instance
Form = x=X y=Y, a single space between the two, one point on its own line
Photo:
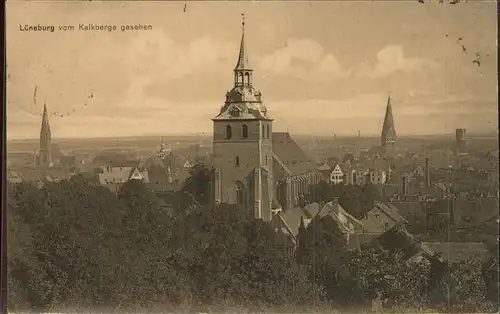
x=337 y=175
x=114 y=178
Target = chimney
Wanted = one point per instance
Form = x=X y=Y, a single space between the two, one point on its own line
x=427 y=174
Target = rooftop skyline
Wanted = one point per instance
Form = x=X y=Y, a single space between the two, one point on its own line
x=322 y=67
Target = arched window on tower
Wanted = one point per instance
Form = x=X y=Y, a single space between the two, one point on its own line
x=228 y=132
x=247 y=78
x=240 y=193
x=240 y=78
x=244 y=131
x=267 y=131
x=263 y=131
x=237 y=161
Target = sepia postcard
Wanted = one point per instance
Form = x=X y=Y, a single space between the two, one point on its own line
x=251 y=156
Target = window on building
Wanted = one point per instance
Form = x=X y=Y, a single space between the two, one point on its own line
x=244 y=131
x=266 y=159
x=263 y=131
x=237 y=161
x=267 y=131
x=228 y=132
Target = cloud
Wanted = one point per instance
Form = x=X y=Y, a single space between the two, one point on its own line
x=301 y=58
x=154 y=53
x=392 y=59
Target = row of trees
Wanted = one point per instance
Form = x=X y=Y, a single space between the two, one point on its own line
x=72 y=245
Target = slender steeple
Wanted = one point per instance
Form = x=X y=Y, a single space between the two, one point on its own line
x=45 y=157
x=242 y=71
x=243 y=101
x=388 y=130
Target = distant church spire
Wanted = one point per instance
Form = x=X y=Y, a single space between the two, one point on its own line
x=45 y=157
x=388 y=130
x=242 y=71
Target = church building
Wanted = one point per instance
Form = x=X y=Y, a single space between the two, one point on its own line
x=261 y=171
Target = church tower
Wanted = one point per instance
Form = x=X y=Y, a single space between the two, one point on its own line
x=45 y=154
x=242 y=145
x=389 y=137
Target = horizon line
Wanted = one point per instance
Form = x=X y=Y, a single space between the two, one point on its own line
x=202 y=134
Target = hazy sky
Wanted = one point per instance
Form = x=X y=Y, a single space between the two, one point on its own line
x=322 y=67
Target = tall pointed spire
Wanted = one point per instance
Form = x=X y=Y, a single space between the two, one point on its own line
x=242 y=63
x=242 y=71
x=45 y=139
x=388 y=129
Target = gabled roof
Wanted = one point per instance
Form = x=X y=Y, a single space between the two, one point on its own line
x=391 y=211
x=291 y=155
x=292 y=219
x=374 y=222
x=311 y=210
x=282 y=164
x=343 y=218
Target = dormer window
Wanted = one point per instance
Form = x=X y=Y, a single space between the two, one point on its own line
x=235 y=113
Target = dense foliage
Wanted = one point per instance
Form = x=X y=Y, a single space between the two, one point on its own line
x=72 y=245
